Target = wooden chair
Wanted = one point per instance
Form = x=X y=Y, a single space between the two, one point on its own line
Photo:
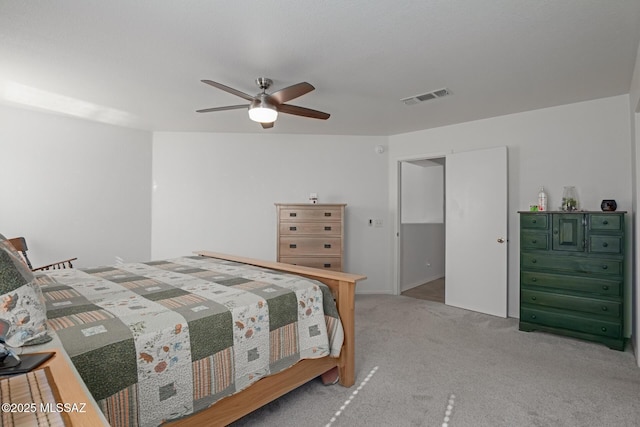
x=21 y=246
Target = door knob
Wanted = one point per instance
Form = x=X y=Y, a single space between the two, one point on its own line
x=500 y=240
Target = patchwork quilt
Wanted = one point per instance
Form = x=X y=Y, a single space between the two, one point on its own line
x=160 y=340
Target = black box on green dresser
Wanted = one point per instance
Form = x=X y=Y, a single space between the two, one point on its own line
x=572 y=274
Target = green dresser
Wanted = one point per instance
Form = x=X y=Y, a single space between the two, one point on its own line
x=572 y=274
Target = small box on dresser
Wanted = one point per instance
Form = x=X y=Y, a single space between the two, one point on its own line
x=572 y=274
x=311 y=235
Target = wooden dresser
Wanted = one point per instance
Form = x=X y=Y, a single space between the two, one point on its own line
x=311 y=235
x=572 y=270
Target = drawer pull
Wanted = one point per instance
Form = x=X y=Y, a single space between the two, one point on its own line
x=293 y=214
x=605 y=244
x=328 y=228
x=605 y=288
x=327 y=214
x=533 y=221
x=604 y=329
x=604 y=308
x=327 y=265
x=327 y=246
x=534 y=298
x=533 y=261
x=293 y=228
x=534 y=279
x=605 y=222
x=534 y=241
x=533 y=316
x=293 y=246
x=604 y=267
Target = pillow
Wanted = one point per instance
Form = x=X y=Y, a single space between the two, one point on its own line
x=23 y=316
x=4 y=242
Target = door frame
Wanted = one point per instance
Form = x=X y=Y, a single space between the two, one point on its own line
x=397 y=271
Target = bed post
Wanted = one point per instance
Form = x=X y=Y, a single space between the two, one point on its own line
x=346 y=307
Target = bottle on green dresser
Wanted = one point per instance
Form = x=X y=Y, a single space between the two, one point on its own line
x=542 y=200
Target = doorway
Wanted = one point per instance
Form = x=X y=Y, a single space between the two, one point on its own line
x=474 y=232
x=422 y=223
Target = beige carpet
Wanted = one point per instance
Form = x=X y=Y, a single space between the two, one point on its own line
x=426 y=364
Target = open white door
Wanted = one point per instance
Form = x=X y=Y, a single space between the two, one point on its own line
x=476 y=230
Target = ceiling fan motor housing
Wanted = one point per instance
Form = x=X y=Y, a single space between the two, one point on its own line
x=262 y=100
x=264 y=83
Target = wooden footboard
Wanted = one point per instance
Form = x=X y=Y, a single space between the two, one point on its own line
x=270 y=388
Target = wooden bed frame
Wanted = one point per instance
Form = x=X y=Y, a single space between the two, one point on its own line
x=234 y=407
x=231 y=408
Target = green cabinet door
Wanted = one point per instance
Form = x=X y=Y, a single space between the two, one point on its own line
x=567 y=232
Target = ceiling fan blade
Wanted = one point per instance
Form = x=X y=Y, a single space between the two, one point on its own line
x=301 y=111
x=228 y=89
x=291 y=92
x=267 y=125
x=228 y=107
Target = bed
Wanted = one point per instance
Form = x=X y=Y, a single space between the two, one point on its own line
x=170 y=359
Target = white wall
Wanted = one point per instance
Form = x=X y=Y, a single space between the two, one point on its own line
x=423 y=253
x=217 y=192
x=584 y=144
x=422 y=192
x=73 y=187
x=634 y=119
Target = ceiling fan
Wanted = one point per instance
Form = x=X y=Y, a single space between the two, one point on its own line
x=264 y=107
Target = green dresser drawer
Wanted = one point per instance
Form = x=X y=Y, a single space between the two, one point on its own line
x=571 y=302
x=557 y=319
x=608 y=267
x=539 y=221
x=609 y=222
x=534 y=240
x=605 y=244
x=589 y=285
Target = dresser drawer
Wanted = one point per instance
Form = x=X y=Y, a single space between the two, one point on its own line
x=571 y=302
x=316 y=228
x=608 y=267
x=313 y=214
x=534 y=240
x=539 y=221
x=329 y=263
x=557 y=319
x=295 y=246
x=605 y=244
x=609 y=222
x=611 y=288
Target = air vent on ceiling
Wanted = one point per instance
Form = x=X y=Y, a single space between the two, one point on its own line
x=413 y=100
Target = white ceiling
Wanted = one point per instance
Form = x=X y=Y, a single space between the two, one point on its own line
x=139 y=63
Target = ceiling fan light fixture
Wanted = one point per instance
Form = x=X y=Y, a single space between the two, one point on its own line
x=262 y=111
x=263 y=114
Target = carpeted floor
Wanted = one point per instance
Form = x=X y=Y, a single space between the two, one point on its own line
x=421 y=363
